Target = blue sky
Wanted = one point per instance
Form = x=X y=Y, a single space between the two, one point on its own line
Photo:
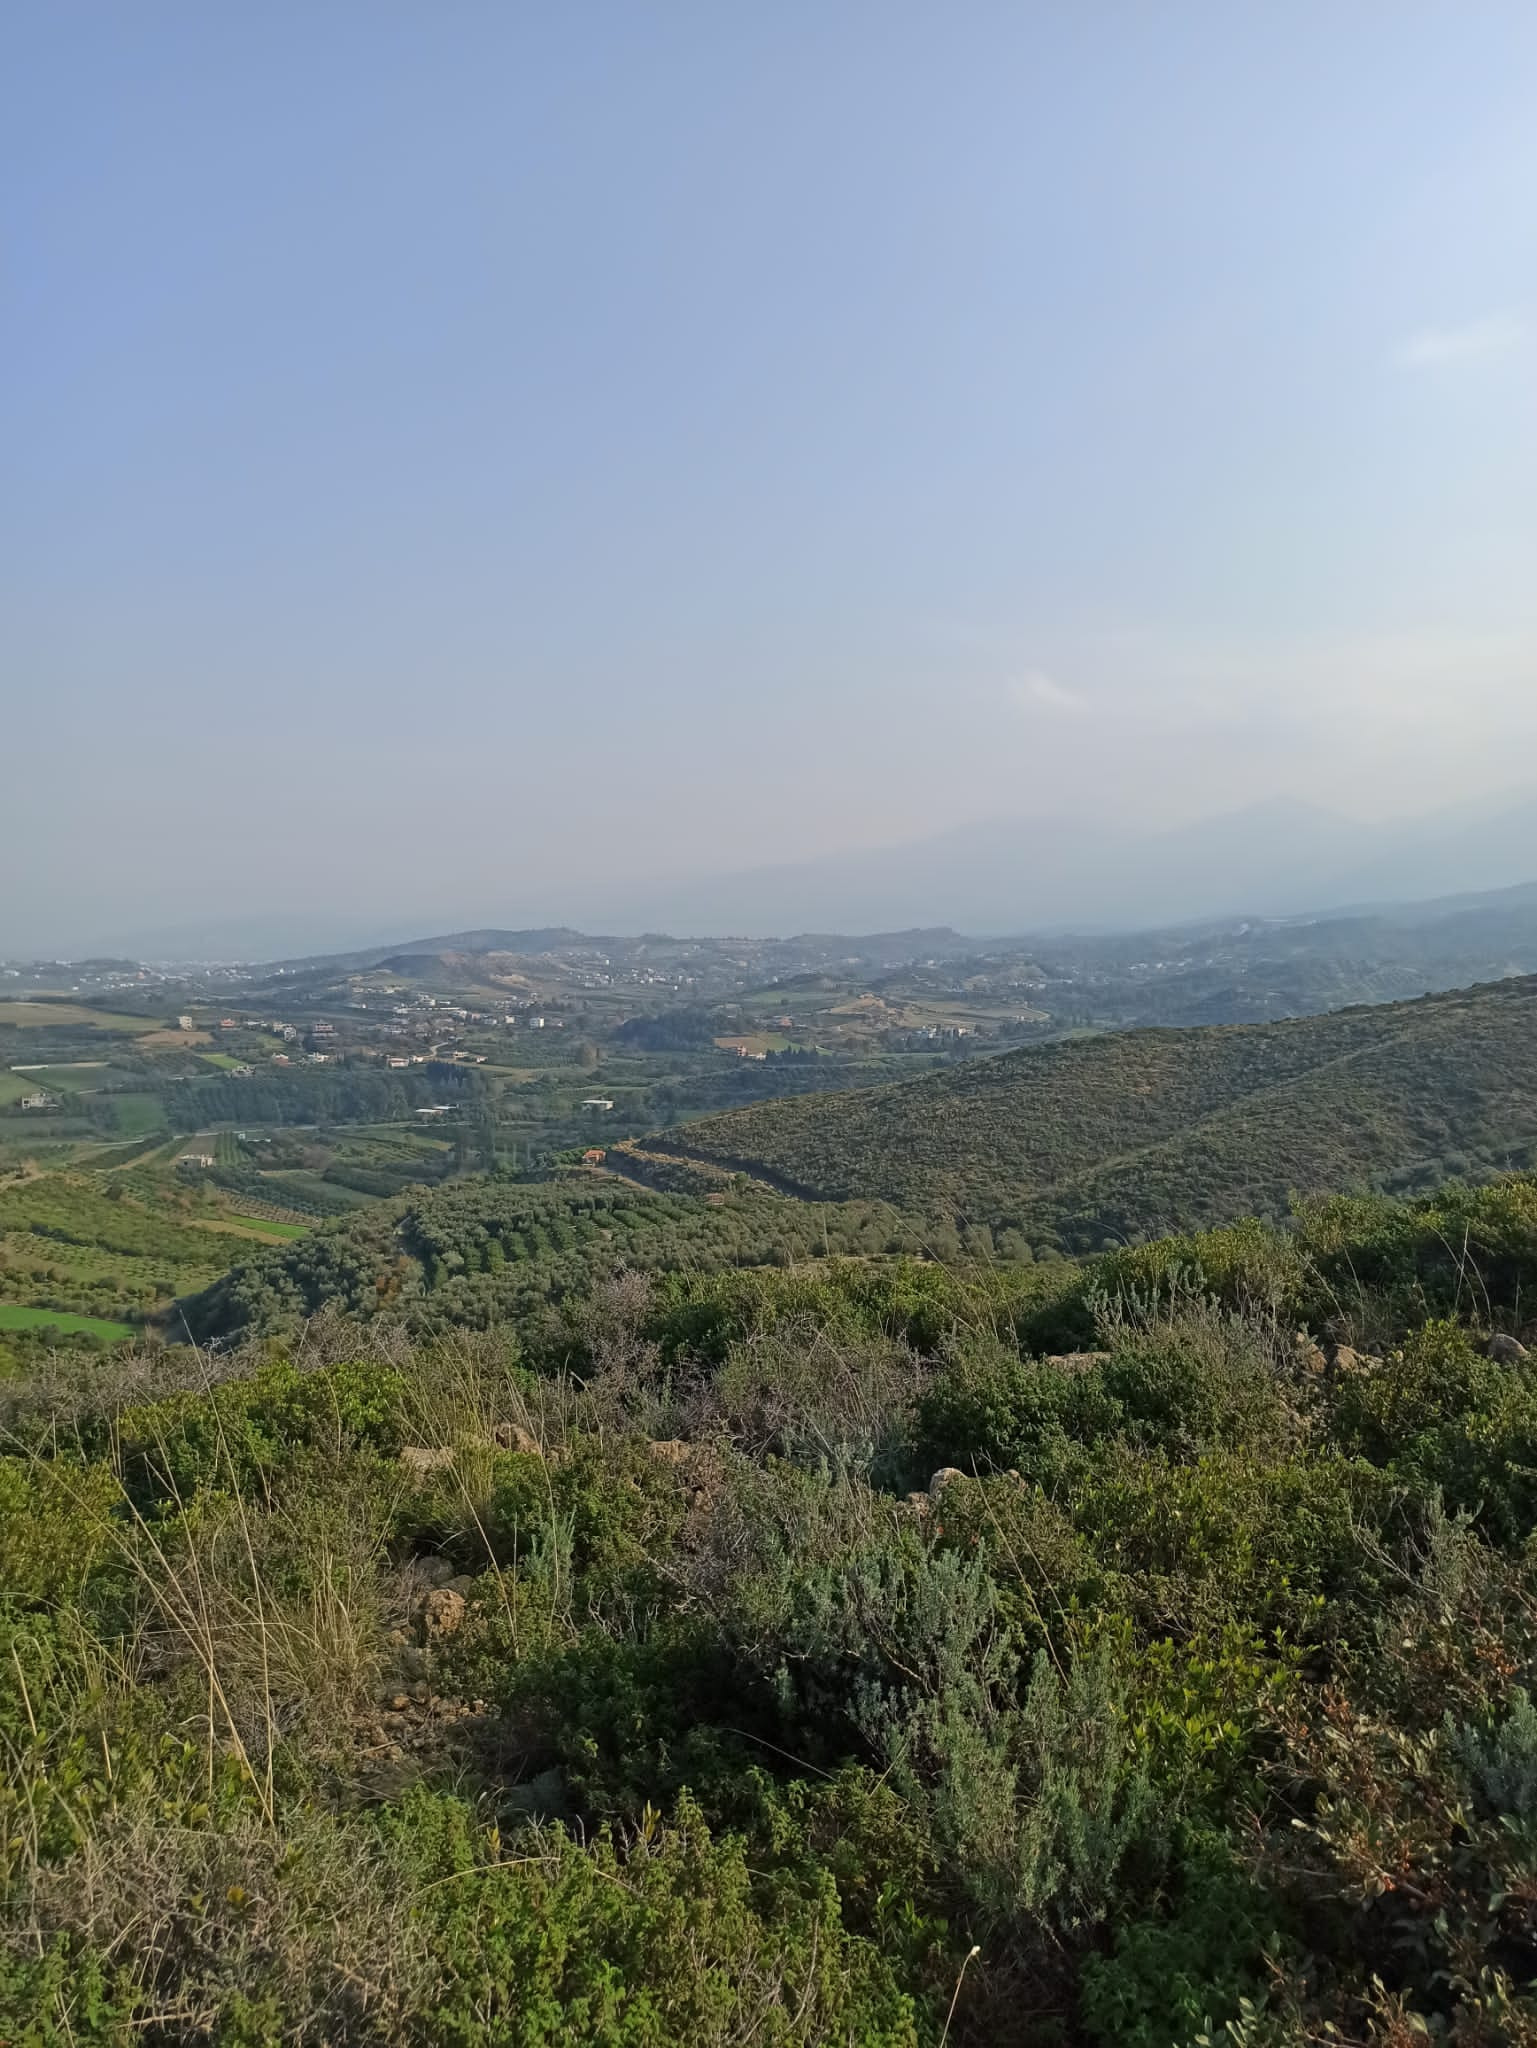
x=468 y=461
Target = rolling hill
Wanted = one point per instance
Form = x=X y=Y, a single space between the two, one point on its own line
x=1090 y=1141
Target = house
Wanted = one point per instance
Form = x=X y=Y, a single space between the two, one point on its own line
x=597 y=1102
x=40 y=1099
x=195 y=1159
x=184 y=1022
x=593 y=1156
x=398 y=1060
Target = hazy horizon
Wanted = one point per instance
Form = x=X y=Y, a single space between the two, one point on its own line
x=979 y=880
x=492 y=465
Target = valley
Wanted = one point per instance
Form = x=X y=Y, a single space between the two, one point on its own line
x=1024 y=1099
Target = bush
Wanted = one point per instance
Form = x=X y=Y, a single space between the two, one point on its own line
x=1443 y=1415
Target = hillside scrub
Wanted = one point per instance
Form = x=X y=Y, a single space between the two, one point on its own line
x=865 y=1652
x=1092 y=1142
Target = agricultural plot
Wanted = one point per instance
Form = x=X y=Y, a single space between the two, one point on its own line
x=311 y=1194
x=41 y=1272
x=270 y=1226
x=62 y=1077
x=137 y=1115
x=15 y=1316
x=44 y=1015
x=261 y=1228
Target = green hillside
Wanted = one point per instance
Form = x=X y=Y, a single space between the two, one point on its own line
x=1092 y=1140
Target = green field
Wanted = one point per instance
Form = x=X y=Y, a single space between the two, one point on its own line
x=13 y=1317
x=226 y=1060
x=44 y=1014
x=137 y=1116
x=14 y=1086
x=270 y=1227
x=63 y=1076
x=253 y=1226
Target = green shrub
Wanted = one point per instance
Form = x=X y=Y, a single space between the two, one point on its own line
x=236 y=1436
x=1441 y=1413
x=1182 y=1384
x=1302 y=1545
x=1187 y=1967
x=56 y=1525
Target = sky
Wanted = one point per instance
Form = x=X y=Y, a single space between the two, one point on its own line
x=497 y=463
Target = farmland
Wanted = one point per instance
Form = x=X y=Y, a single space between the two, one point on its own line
x=14 y=1317
x=43 y=1014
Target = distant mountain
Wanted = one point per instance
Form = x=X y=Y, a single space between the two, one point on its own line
x=1254 y=970
x=1089 y=872
x=1093 y=1141
x=1085 y=871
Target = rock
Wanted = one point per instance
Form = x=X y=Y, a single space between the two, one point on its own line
x=942 y=1479
x=434 y=1571
x=511 y=1436
x=671 y=1450
x=1310 y=1356
x=1505 y=1349
x=441 y=1613
x=1345 y=1360
x=422 y=1460
x=1078 y=1361
x=918 y=1502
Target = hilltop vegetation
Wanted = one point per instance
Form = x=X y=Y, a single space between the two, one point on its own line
x=800 y=1657
x=1112 y=1138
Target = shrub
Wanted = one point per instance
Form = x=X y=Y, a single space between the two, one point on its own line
x=236 y=1436
x=1440 y=1413
x=56 y=1525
